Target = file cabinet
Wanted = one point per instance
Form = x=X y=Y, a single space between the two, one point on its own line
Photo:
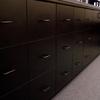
x=43 y=46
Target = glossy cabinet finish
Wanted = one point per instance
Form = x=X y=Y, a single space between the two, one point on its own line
x=12 y=22
x=41 y=19
x=64 y=19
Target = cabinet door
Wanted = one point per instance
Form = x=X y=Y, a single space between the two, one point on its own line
x=14 y=70
x=12 y=22
x=64 y=60
x=41 y=57
x=78 y=53
x=79 y=14
x=41 y=19
x=64 y=19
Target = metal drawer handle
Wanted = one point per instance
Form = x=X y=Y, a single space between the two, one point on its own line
x=46 y=89
x=66 y=47
x=65 y=73
x=9 y=72
x=67 y=20
x=45 y=56
x=80 y=42
x=77 y=63
x=89 y=38
x=45 y=20
x=6 y=22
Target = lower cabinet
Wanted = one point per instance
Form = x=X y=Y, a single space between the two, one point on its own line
x=41 y=88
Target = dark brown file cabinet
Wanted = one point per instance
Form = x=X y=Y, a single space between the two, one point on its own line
x=44 y=45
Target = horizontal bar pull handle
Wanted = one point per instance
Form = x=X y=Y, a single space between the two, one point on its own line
x=6 y=22
x=9 y=72
x=78 y=63
x=67 y=20
x=66 y=47
x=89 y=38
x=80 y=42
x=45 y=20
x=46 y=89
x=45 y=56
x=65 y=73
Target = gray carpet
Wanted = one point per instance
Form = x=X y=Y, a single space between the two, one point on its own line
x=85 y=86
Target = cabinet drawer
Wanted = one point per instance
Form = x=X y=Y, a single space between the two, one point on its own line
x=89 y=47
x=64 y=60
x=41 y=57
x=14 y=70
x=88 y=19
x=64 y=19
x=79 y=20
x=78 y=52
x=22 y=93
x=41 y=17
x=41 y=88
x=12 y=22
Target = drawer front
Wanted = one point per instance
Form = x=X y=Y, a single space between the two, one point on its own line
x=79 y=20
x=41 y=88
x=12 y=22
x=64 y=19
x=88 y=19
x=22 y=93
x=41 y=17
x=13 y=68
x=78 y=54
x=41 y=57
x=64 y=60
x=89 y=47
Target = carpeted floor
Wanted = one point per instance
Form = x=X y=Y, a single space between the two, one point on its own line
x=85 y=86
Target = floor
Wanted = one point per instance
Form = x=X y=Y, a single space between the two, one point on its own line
x=85 y=86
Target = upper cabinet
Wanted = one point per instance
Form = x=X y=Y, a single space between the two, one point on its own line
x=41 y=19
x=12 y=22
x=65 y=16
